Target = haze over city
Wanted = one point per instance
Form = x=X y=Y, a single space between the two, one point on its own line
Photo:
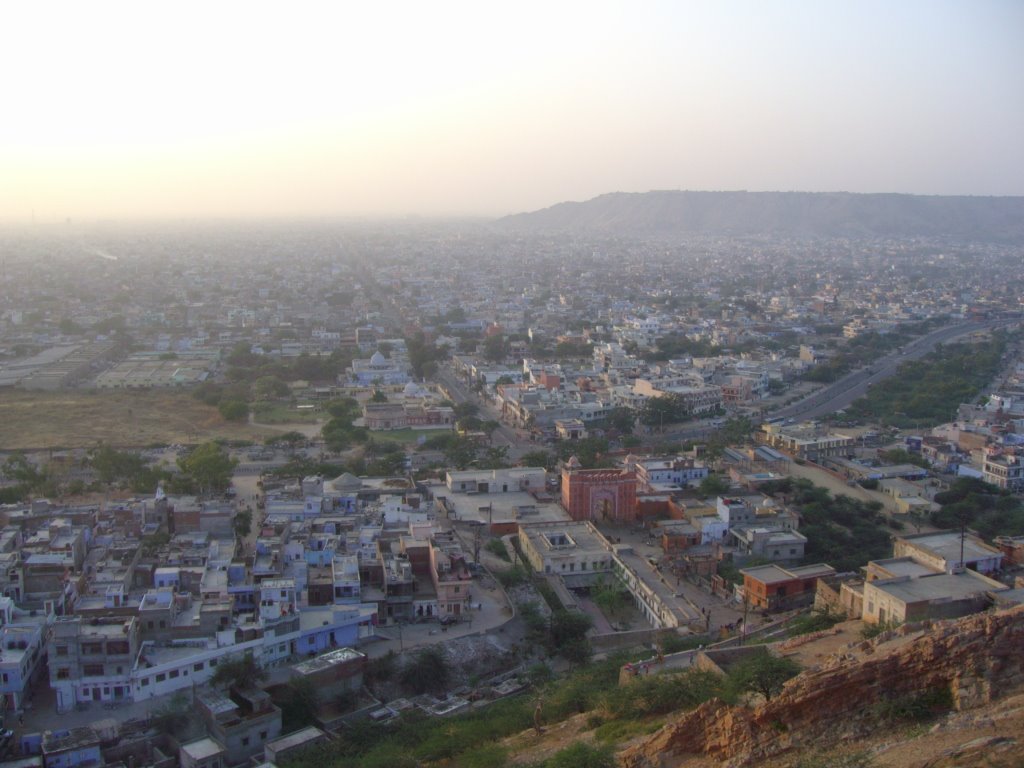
x=240 y=109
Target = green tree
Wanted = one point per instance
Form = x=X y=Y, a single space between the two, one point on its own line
x=299 y=703
x=762 y=673
x=243 y=524
x=460 y=453
x=622 y=419
x=378 y=397
x=427 y=672
x=234 y=410
x=537 y=459
x=463 y=410
x=714 y=485
x=495 y=348
x=210 y=466
x=172 y=718
x=345 y=409
x=270 y=387
x=241 y=672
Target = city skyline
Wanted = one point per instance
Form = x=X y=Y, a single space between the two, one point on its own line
x=245 y=110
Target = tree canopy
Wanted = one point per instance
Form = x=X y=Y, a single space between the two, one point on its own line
x=210 y=466
x=762 y=673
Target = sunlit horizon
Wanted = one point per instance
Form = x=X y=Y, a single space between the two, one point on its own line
x=240 y=110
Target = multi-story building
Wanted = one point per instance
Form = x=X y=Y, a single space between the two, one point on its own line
x=677 y=470
x=243 y=723
x=1004 y=470
x=92 y=660
x=22 y=651
x=450 y=575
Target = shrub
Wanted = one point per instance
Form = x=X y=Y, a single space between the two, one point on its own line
x=497 y=547
x=582 y=755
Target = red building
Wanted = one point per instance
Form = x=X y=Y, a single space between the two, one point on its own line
x=773 y=587
x=598 y=494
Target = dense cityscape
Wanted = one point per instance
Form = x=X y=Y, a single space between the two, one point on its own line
x=392 y=492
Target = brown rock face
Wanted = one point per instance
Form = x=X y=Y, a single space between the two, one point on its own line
x=974 y=660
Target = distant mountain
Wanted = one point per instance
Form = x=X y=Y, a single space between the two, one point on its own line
x=672 y=214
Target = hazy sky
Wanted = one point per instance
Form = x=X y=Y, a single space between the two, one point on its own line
x=432 y=107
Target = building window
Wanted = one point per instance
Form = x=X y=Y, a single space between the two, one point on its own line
x=197 y=667
x=245 y=741
x=62 y=650
x=145 y=682
x=92 y=670
x=173 y=674
x=92 y=648
x=161 y=677
x=263 y=735
x=63 y=673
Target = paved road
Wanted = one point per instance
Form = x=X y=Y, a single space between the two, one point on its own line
x=459 y=392
x=842 y=393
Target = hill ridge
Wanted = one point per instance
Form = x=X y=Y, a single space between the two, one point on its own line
x=679 y=213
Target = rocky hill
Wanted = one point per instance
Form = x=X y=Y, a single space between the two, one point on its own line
x=974 y=667
x=676 y=214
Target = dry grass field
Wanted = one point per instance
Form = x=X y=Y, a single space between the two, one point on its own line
x=75 y=419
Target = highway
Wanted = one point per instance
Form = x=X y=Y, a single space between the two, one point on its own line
x=842 y=393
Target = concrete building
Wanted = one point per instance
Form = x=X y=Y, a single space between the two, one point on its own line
x=22 y=652
x=244 y=722
x=936 y=595
x=565 y=547
x=511 y=480
x=678 y=471
x=203 y=753
x=773 y=587
x=92 y=660
x=1004 y=470
x=291 y=745
x=942 y=551
x=599 y=494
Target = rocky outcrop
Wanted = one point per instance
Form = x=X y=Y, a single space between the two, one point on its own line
x=969 y=663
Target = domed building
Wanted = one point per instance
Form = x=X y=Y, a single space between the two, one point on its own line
x=379 y=370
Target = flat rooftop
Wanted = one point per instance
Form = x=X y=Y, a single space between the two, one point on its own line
x=202 y=749
x=504 y=508
x=773 y=574
x=939 y=586
x=947 y=546
x=905 y=566
x=326 y=660
x=564 y=536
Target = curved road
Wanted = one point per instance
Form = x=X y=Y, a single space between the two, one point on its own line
x=842 y=393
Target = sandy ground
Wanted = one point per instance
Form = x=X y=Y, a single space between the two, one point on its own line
x=85 y=418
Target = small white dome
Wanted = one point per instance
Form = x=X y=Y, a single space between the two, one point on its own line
x=378 y=359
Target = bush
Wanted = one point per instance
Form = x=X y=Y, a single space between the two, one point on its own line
x=815 y=621
x=663 y=693
x=497 y=547
x=915 y=708
x=582 y=755
x=428 y=672
x=513 y=576
x=869 y=631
